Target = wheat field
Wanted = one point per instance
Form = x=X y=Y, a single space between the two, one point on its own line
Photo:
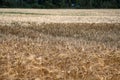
x=59 y=44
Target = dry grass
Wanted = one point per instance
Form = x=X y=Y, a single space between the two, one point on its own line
x=38 y=16
x=59 y=51
x=63 y=12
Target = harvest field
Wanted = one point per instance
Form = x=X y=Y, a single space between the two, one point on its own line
x=63 y=44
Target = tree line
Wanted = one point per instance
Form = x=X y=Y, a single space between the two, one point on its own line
x=60 y=4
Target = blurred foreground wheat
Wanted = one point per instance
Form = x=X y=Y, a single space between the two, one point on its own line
x=60 y=51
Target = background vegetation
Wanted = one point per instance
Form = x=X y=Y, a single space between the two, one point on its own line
x=60 y=3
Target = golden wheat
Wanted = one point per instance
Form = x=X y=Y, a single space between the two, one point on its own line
x=59 y=51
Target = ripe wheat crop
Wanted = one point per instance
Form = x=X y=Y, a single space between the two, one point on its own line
x=59 y=47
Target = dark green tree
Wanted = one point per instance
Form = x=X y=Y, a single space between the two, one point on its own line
x=60 y=3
